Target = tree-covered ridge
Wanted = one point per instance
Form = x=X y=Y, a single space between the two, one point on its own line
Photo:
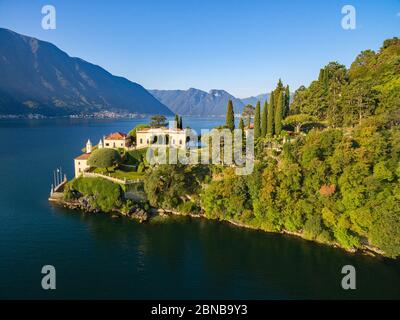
x=371 y=86
x=327 y=186
x=335 y=178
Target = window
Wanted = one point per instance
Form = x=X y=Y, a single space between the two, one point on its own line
x=173 y=141
x=141 y=141
x=79 y=169
x=180 y=141
x=107 y=144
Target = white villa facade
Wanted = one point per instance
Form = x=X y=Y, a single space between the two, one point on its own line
x=167 y=136
x=80 y=162
x=176 y=138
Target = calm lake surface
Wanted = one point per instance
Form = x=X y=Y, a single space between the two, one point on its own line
x=99 y=257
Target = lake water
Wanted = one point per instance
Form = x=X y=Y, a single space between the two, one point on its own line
x=99 y=257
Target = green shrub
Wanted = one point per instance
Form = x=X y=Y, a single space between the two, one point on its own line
x=105 y=195
x=104 y=158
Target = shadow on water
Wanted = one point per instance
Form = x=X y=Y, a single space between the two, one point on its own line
x=182 y=257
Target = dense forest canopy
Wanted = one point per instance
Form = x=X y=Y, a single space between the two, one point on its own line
x=336 y=179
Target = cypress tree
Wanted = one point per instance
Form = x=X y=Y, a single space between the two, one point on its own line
x=321 y=75
x=264 y=119
x=177 y=121
x=257 y=131
x=241 y=127
x=180 y=123
x=278 y=113
x=287 y=102
x=230 y=117
x=270 y=115
x=241 y=124
x=326 y=79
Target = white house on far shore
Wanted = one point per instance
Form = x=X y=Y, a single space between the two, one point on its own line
x=167 y=136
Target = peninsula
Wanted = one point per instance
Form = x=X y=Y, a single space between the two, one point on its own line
x=326 y=167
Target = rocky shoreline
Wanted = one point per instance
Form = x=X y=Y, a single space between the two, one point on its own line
x=83 y=204
x=142 y=216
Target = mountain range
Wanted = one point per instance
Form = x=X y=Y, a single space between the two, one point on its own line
x=197 y=102
x=36 y=77
x=253 y=100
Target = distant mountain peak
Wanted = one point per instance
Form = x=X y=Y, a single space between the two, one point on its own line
x=37 y=77
x=197 y=102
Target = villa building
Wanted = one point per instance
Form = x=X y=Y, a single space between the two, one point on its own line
x=80 y=162
x=115 y=140
x=172 y=137
x=167 y=136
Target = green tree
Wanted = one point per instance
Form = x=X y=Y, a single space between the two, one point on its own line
x=264 y=116
x=299 y=120
x=241 y=127
x=103 y=194
x=359 y=101
x=241 y=124
x=257 y=129
x=180 y=123
x=158 y=121
x=230 y=116
x=278 y=113
x=248 y=110
x=104 y=158
x=270 y=115
x=248 y=121
x=287 y=102
x=177 y=121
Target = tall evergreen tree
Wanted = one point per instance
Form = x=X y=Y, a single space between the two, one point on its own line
x=270 y=115
x=279 y=87
x=241 y=127
x=257 y=130
x=287 y=102
x=177 y=121
x=180 y=123
x=241 y=124
x=264 y=115
x=278 y=113
x=230 y=116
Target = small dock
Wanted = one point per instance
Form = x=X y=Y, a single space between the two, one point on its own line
x=57 y=187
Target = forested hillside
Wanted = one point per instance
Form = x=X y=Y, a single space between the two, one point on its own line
x=327 y=166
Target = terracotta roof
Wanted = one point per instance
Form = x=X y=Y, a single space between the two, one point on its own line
x=83 y=156
x=116 y=136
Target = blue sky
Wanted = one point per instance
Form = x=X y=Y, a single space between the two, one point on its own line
x=240 y=46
